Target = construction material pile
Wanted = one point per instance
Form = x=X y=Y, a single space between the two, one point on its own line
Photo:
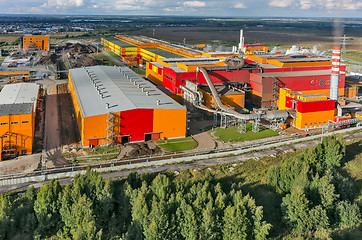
x=79 y=55
x=48 y=59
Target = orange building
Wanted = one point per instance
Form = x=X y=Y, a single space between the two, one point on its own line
x=36 y=42
x=17 y=118
x=312 y=110
x=115 y=106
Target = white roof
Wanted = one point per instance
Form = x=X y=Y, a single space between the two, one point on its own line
x=19 y=93
x=105 y=89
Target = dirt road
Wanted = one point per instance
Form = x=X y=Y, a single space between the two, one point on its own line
x=52 y=142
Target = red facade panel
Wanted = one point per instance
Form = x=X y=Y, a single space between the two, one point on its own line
x=136 y=123
x=305 y=107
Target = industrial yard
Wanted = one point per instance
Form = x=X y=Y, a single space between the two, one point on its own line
x=181 y=97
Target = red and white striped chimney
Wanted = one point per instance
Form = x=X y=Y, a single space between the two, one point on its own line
x=336 y=59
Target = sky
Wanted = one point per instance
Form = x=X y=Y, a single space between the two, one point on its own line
x=215 y=8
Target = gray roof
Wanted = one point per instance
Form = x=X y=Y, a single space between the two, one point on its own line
x=15 y=109
x=18 y=98
x=19 y=93
x=294 y=73
x=119 y=43
x=104 y=89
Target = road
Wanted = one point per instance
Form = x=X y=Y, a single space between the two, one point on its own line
x=184 y=165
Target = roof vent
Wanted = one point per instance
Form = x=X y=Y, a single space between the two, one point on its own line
x=158 y=101
x=143 y=89
x=147 y=93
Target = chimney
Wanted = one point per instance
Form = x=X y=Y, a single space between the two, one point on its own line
x=336 y=57
x=241 y=43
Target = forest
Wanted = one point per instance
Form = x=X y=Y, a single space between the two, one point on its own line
x=315 y=200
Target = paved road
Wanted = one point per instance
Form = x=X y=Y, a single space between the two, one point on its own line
x=204 y=141
x=184 y=165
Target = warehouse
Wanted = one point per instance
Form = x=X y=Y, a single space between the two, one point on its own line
x=17 y=118
x=115 y=106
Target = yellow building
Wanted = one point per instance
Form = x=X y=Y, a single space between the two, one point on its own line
x=17 y=118
x=36 y=42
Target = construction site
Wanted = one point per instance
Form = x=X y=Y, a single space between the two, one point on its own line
x=180 y=99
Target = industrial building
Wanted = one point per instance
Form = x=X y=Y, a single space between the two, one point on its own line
x=114 y=105
x=35 y=42
x=257 y=79
x=17 y=118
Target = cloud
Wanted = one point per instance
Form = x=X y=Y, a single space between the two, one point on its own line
x=281 y=3
x=64 y=4
x=342 y=5
x=239 y=5
x=194 y=4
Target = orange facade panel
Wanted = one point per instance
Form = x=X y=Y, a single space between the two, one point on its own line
x=36 y=42
x=313 y=119
x=17 y=132
x=171 y=123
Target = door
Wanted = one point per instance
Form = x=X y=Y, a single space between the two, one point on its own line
x=93 y=143
x=148 y=137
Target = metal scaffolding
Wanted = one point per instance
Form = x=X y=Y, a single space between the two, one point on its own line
x=110 y=129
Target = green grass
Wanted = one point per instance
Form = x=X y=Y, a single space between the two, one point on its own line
x=354 y=55
x=176 y=145
x=176 y=140
x=106 y=60
x=232 y=134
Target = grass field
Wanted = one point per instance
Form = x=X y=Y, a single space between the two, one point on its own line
x=354 y=55
x=232 y=134
x=176 y=145
x=105 y=59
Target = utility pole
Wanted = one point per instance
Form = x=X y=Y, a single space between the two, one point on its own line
x=344 y=40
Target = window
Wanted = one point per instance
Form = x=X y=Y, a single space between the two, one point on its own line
x=14 y=122
x=25 y=122
x=3 y=123
x=3 y=136
x=315 y=123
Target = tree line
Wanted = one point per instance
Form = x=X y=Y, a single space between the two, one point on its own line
x=316 y=199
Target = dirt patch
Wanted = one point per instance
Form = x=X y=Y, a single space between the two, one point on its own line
x=48 y=59
x=139 y=149
x=69 y=133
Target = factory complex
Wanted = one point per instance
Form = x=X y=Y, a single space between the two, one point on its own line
x=114 y=105
x=307 y=87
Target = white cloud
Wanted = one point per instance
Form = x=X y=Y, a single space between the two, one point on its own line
x=194 y=4
x=239 y=5
x=342 y=5
x=61 y=4
x=281 y=3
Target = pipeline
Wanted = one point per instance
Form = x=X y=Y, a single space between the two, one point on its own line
x=277 y=114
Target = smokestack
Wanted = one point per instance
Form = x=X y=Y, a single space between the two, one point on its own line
x=336 y=57
x=241 y=43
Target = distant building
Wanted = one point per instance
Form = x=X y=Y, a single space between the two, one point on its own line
x=115 y=105
x=17 y=118
x=35 y=42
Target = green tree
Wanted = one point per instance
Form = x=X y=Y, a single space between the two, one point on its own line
x=46 y=208
x=208 y=226
x=5 y=209
x=188 y=223
x=236 y=223
x=349 y=214
x=295 y=207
